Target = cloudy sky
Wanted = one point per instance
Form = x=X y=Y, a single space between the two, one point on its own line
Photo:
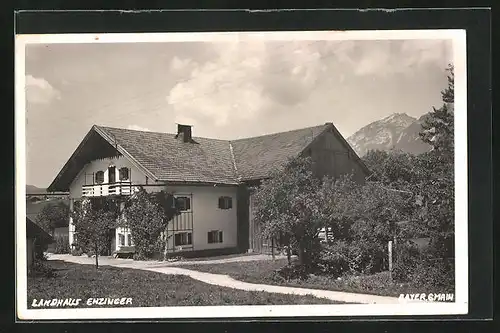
x=226 y=89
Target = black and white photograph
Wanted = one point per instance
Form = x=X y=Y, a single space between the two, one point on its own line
x=241 y=174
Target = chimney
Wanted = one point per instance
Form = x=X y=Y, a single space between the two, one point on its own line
x=184 y=132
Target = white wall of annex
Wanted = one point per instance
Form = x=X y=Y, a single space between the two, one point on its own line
x=207 y=216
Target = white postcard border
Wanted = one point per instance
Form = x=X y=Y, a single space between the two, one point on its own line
x=460 y=306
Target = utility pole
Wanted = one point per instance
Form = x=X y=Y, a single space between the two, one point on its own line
x=390 y=259
x=272 y=248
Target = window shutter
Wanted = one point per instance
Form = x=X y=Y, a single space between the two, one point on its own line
x=188 y=203
x=229 y=202
x=221 y=202
x=189 y=239
x=124 y=173
x=220 y=237
x=210 y=237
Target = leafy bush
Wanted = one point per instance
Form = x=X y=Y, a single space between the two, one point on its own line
x=41 y=268
x=366 y=283
x=434 y=274
x=334 y=258
x=147 y=216
x=423 y=269
x=139 y=256
x=62 y=245
x=407 y=257
x=76 y=250
x=290 y=272
x=355 y=257
x=53 y=215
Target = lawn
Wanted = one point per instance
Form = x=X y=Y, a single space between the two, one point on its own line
x=263 y=272
x=144 y=288
x=219 y=257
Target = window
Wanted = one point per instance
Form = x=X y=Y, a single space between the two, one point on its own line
x=121 y=239
x=124 y=173
x=183 y=203
x=111 y=174
x=99 y=177
x=183 y=238
x=225 y=202
x=214 y=236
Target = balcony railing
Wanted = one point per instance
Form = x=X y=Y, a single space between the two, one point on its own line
x=98 y=190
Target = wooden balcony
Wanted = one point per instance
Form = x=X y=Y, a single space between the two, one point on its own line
x=99 y=190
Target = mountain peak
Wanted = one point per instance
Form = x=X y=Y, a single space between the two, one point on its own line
x=398 y=130
x=399 y=117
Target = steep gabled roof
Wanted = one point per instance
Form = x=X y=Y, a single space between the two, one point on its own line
x=172 y=160
x=165 y=158
x=35 y=231
x=256 y=157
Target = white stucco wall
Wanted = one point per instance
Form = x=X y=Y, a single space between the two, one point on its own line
x=135 y=176
x=206 y=214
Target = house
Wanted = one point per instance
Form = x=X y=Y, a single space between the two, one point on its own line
x=35 y=206
x=212 y=179
x=36 y=242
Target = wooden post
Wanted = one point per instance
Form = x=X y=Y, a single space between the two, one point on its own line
x=96 y=256
x=272 y=248
x=390 y=259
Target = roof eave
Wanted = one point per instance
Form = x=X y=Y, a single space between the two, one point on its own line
x=125 y=153
x=344 y=141
x=55 y=186
x=196 y=183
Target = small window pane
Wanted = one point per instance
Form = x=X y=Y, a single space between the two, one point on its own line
x=183 y=238
x=121 y=239
x=225 y=202
x=183 y=203
x=214 y=236
x=99 y=177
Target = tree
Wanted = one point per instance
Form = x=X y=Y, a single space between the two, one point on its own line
x=147 y=216
x=437 y=211
x=438 y=127
x=339 y=202
x=93 y=221
x=52 y=216
x=289 y=206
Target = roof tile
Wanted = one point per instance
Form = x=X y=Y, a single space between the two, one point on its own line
x=212 y=160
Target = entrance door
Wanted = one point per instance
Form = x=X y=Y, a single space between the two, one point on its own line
x=111 y=175
x=255 y=239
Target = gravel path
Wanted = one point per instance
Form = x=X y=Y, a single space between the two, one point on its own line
x=227 y=281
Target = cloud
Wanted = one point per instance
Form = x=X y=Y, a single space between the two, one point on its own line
x=40 y=91
x=389 y=57
x=224 y=87
x=243 y=80
x=177 y=63
x=138 y=128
